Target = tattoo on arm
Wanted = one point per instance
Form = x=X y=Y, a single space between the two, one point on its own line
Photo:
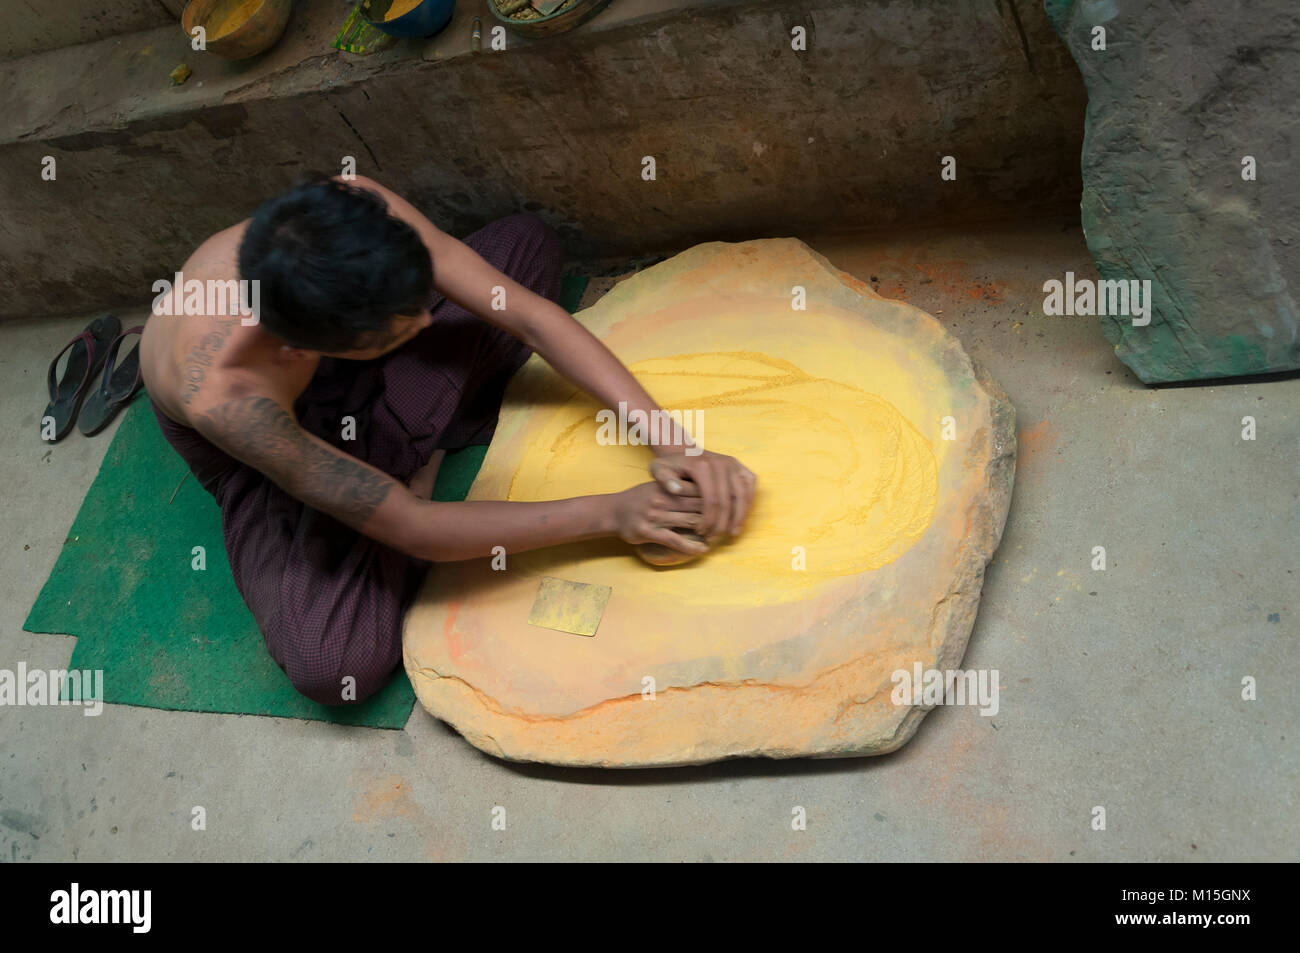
x=261 y=433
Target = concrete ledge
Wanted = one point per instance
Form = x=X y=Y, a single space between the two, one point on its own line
x=750 y=137
x=33 y=26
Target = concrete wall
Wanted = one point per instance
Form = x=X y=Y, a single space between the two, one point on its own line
x=33 y=26
x=750 y=137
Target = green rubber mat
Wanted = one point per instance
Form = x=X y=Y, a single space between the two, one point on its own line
x=168 y=635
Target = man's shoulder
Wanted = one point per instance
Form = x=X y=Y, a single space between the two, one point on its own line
x=239 y=419
x=227 y=414
x=217 y=256
x=191 y=407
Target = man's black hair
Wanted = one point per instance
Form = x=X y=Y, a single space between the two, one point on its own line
x=333 y=266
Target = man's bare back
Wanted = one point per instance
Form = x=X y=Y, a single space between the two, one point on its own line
x=191 y=362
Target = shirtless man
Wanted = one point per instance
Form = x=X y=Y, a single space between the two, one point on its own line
x=369 y=312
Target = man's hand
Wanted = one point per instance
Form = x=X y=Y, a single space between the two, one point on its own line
x=722 y=483
x=646 y=514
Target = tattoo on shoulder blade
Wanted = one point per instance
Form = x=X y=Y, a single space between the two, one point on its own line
x=259 y=430
x=201 y=357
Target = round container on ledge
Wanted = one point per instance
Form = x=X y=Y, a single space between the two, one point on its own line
x=424 y=19
x=558 y=22
x=256 y=34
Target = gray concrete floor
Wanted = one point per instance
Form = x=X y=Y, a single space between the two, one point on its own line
x=1120 y=688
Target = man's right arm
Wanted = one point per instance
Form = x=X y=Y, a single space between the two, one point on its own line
x=263 y=434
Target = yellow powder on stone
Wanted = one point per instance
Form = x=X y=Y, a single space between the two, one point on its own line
x=400 y=8
x=841 y=474
x=230 y=16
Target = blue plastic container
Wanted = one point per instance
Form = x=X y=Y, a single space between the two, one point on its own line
x=426 y=19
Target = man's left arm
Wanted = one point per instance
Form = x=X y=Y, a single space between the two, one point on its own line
x=466 y=278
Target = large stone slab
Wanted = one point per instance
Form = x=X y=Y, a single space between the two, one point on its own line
x=864 y=553
x=1181 y=94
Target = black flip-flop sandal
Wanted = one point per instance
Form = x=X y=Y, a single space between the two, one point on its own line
x=119 y=384
x=86 y=353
